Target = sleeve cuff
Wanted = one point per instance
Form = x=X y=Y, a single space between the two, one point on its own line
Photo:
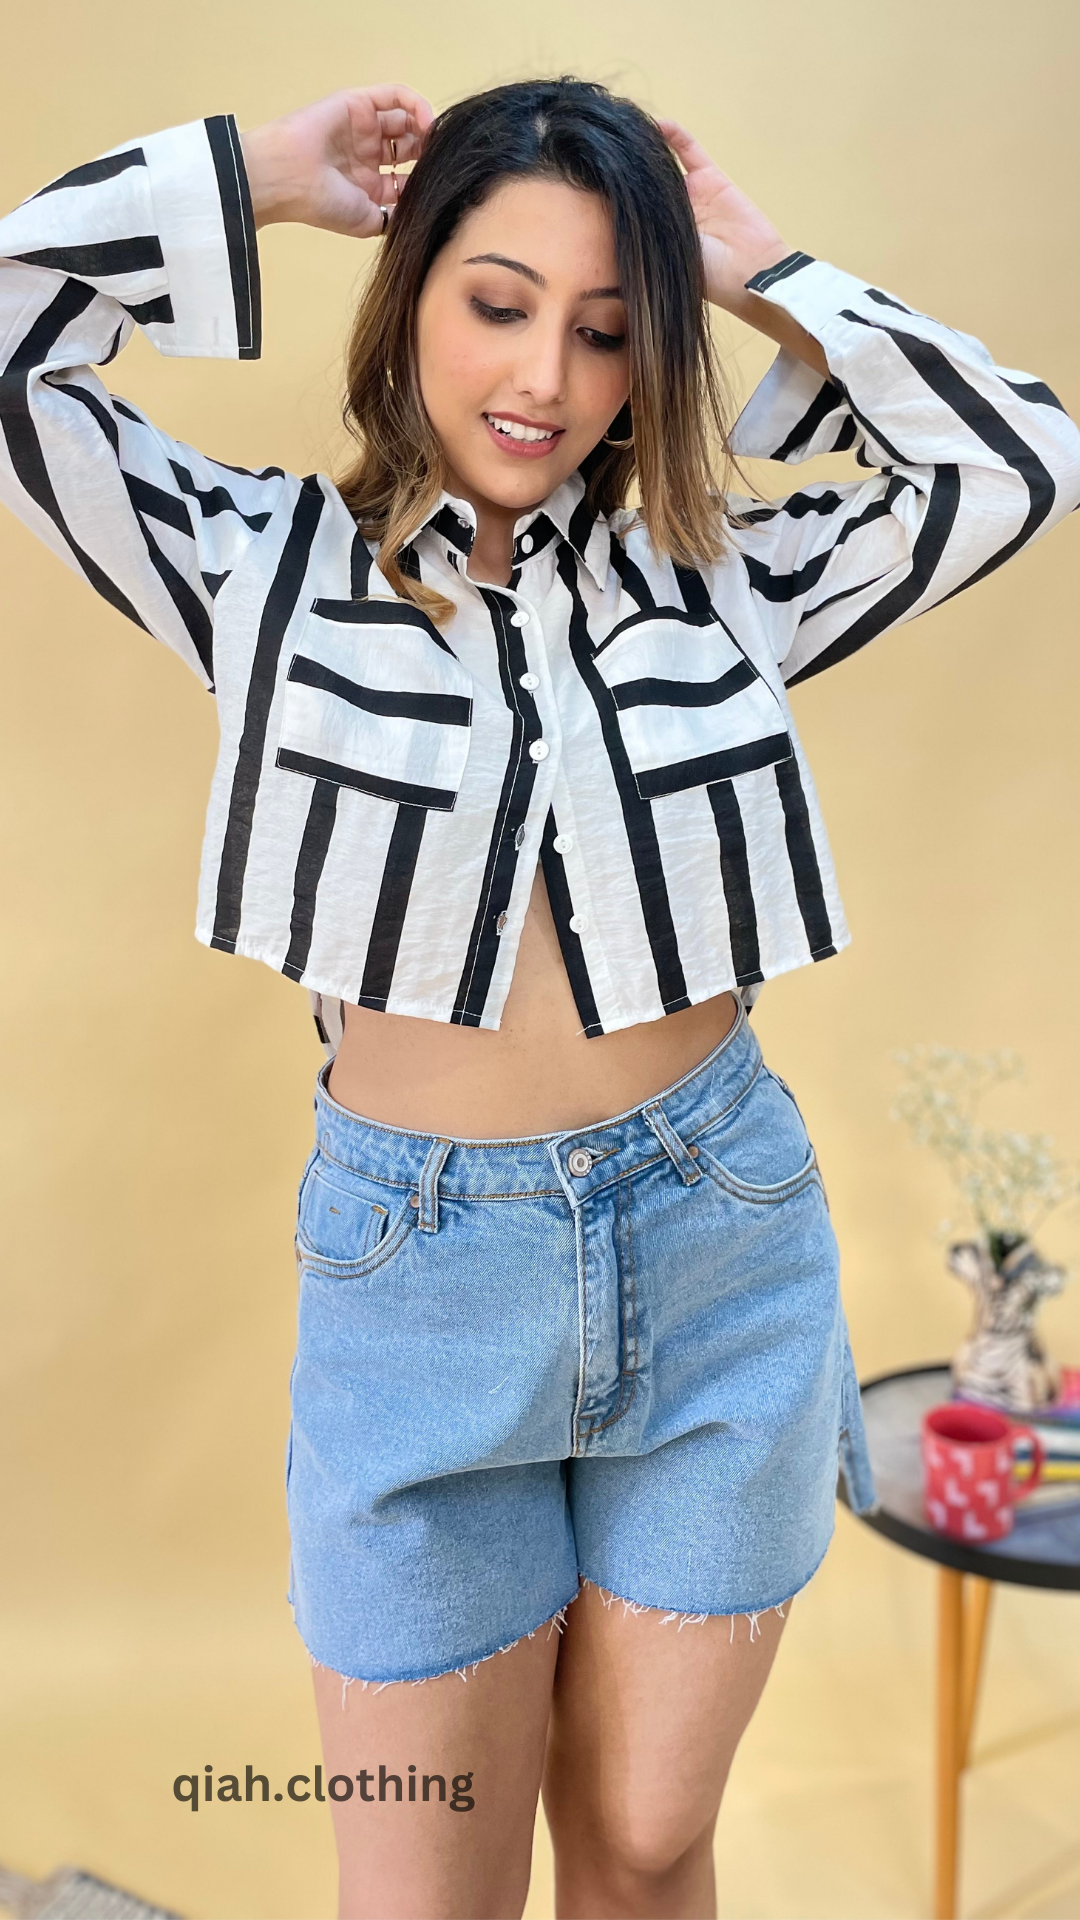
x=202 y=207
x=812 y=291
x=794 y=412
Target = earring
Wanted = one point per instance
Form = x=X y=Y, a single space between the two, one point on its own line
x=623 y=414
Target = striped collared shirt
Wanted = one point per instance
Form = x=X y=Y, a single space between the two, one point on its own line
x=385 y=787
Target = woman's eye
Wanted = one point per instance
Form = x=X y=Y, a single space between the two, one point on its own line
x=500 y=315
x=604 y=342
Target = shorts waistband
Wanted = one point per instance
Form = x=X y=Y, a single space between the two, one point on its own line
x=574 y=1161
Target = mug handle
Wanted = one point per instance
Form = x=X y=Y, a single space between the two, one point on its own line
x=1027 y=1487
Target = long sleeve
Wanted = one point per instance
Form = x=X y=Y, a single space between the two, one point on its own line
x=972 y=463
x=156 y=234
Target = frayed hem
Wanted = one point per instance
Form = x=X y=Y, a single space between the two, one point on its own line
x=554 y=1622
x=752 y=1614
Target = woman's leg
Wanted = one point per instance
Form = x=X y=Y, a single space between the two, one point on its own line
x=415 y=1861
x=646 y=1717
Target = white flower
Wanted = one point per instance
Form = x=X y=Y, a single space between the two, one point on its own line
x=1011 y=1181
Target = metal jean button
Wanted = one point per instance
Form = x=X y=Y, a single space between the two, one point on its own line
x=579 y=1161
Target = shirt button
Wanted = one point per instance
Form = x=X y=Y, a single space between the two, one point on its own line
x=526 y=543
x=562 y=842
x=539 y=750
x=578 y=923
x=519 y=619
x=500 y=924
x=519 y=838
x=529 y=681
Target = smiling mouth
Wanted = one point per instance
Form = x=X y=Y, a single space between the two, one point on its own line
x=518 y=435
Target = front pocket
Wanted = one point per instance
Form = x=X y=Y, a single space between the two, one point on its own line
x=343 y=1222
x=393 y=1239
x=770 y=1196
x=377 y=702
x=691 y=705
x=760 y=1151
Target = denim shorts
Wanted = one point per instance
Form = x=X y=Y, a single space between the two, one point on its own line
x=615 y=1354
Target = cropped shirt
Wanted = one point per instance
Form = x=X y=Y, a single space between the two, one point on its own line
x=385 y=787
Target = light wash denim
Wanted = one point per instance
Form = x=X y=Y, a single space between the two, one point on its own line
x=615 y=1354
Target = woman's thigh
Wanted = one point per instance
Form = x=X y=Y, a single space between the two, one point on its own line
x=647 y=1712
x=484 y=1740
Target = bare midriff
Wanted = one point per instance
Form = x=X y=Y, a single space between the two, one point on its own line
x=536 y=1074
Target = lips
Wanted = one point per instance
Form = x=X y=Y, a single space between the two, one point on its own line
x=523 y=439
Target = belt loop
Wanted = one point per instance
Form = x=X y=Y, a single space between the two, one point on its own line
x=682 y=1157
x=428 y=1217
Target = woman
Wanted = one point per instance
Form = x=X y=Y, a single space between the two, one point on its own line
x=508 y=779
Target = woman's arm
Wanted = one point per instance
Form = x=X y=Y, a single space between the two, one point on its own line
x=973 y=461
x=159 y=234
x=156 y=234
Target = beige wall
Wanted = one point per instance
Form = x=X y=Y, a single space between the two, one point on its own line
x=156 y=1096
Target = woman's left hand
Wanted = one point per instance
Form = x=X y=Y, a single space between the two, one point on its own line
x=737 y=241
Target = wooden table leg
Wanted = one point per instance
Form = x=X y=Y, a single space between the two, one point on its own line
x=963 y=1611
x=976 y=1613
x=949 y=1738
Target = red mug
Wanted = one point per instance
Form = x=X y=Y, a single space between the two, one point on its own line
x=969 y=1469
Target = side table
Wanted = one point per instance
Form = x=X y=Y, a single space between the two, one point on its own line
x=1043 y=1550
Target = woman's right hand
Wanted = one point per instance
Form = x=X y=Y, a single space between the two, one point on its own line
x=320 y=165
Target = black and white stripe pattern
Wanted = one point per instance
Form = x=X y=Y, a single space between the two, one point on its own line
x=385 y=788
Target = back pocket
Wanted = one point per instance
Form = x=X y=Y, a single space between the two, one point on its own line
x=375 y=700
x=692 y=706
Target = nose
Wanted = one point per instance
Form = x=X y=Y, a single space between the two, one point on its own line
x=540 y=372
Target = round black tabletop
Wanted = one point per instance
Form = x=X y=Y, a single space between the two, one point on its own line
x=1043 y=1549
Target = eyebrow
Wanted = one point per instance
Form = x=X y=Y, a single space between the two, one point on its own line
x=538 y=280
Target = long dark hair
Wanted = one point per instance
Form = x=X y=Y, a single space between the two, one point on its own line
x=573 y=131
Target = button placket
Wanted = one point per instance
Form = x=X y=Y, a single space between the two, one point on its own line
x=539 y=750
x=533 y=683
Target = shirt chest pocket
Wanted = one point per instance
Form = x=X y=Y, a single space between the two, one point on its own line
x=692 y=708
x=374 y=700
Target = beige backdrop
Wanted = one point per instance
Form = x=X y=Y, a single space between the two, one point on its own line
x=156 y=1096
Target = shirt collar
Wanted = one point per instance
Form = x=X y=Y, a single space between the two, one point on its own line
x=562 y=515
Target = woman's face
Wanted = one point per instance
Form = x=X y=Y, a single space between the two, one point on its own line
x=521 y=338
